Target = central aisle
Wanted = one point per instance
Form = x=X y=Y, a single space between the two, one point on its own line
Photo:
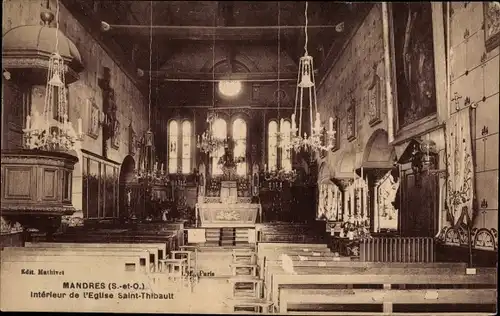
x=213 y=288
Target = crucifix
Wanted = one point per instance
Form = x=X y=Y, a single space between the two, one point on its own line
x=109 y=109
x=456 y=100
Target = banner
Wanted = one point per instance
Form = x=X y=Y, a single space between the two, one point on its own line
x=460 y=169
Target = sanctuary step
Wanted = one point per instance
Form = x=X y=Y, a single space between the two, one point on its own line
x=308 y=233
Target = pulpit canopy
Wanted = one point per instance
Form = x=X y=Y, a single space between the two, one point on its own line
x=27 y=48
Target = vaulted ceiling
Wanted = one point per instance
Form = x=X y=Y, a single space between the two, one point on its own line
x=206 y=40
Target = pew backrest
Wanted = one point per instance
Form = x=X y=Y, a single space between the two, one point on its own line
x=127 y=263
x=385 y=280
x=154 y=252
x=143 y=255
x=162 y=249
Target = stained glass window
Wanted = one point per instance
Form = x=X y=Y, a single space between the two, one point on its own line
x=272 y=145
x=186 y=147
x=240 y=146
x=219 y=130
x=173 y=139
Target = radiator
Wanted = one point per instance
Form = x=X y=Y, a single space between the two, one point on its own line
x=397 y=249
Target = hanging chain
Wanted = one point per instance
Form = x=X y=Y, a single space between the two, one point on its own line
x=305 y=28
x=57 y=27
x=279 y=53
x=150 y=59
x=213 y=60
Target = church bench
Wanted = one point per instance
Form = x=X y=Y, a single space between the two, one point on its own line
x=122 y=263
x=360 y=268
x=143 y=255
x=168 y=240
x=246 y=286
x=386 y=283
x=156 y=251
x=246 y=305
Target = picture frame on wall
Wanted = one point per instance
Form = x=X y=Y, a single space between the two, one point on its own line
x=351 y=121
x=373 y=99
x=336 y=129
x=115 y=139
x=93 y=119
x=491 y=11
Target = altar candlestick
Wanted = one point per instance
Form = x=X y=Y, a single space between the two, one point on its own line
x=282 y=122
x=331 y=124
x=28 y=122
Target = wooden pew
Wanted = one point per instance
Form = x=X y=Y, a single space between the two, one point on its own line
x=266 y=251
x=291 y=290
x=346 y=267
x=143 y=255
x=168 y=240
x=120 y=264
x=157 y=251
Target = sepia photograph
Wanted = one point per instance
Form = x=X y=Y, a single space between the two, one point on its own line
x=250 y=157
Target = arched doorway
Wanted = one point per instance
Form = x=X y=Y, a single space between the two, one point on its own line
x=383 y=183
x=127 y=172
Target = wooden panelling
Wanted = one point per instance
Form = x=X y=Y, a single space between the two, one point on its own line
x=15 y=189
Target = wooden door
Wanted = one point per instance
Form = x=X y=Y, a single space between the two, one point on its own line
x=419 y=204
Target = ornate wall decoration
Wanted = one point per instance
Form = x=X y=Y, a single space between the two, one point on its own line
x=115 y=138
x=330 y=203
x=374 y=101
x=93 y=119
x=351 y=121
x=482 y=238
x=414 y=62
x=491 y=24
x=386 y=196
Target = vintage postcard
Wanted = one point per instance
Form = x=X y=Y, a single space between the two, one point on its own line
x=255 y=157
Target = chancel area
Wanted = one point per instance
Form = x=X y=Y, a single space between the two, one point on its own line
x=248 y=156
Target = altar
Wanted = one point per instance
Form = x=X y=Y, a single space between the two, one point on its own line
x=227 y=210
x=213 y=215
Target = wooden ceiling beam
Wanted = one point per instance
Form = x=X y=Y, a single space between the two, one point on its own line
x=204 y=33
x=210 y=77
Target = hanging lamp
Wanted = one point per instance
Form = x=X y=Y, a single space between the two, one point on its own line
x=51 y=130
x=319 y=139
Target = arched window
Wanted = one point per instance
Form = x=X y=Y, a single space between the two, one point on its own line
x=240 y=145
x=272 y=145
x=186 y=147
x=286 y=155
x=219 y=130
x=173 y=153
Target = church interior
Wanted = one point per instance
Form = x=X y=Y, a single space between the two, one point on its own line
x=251 y=156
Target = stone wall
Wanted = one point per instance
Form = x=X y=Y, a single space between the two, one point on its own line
x=131 y=103
x=347 y=83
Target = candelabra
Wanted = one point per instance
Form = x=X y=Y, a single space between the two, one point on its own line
x=208 y=142
x=148 y=171
x=52 y=131
x=319 y=139
x=281 y=175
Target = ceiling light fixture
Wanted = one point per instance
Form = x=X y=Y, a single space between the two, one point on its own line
x=230 y=88
x=319 y=138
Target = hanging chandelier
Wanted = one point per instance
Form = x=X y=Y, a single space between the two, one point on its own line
x=208 y=142
x=148 y=171
x=51 y=130
x=319 y=139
